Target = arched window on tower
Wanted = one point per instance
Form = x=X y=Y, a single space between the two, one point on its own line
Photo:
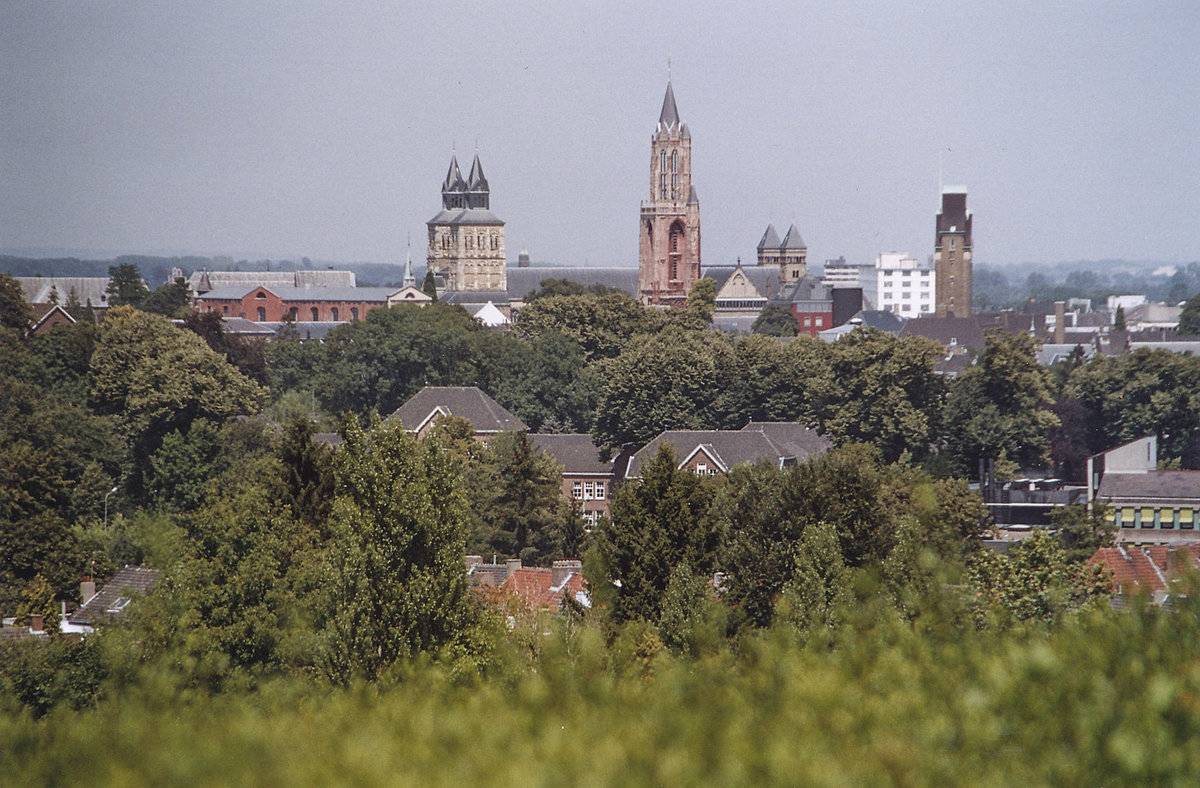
x=675 y=250
x=662 y=185
x=674 y=175
x=674 y=161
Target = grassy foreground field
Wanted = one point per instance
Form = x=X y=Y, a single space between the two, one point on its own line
x=1105 y=698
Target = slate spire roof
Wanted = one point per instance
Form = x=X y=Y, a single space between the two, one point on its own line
x=669 y=117
x=454 y=179
x=793 y=240
x=410 y=280
x=770 y=239
x=477 y=182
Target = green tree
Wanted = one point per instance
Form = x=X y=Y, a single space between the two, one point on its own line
x=156 y=379
x=183 y=466
x=14 y=311
x=546 y=384
x=125 y=285
x=886 y=392
x=1189 y=317
x=378 y=363
x=601 y=324
x=429 y=285
x=702 y=300
x=553 y=286
x=1000 y=408
x=664 y=381
x=818 y=592
x=37 y=599
x=1119 y=319
x=400 y=588
x=661 y=524
x=172 y=299
x=768 y=380
x=776 y=320
x=1036 y=581
x=524 y=506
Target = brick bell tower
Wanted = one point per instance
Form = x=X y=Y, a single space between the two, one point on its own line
x=669 y=245
x=952 y=255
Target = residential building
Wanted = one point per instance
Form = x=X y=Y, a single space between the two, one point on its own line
x=423 y=410
x=111 y=601
x=534 y=588
x=669 y=235
x=466 y=240
x=952 y=250
x=1151 y=570
x=712 y=452
x=588 y=475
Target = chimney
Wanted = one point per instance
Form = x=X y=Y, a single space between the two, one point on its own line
x=87 y=590
x=1060 y=322
x=511 y=565
x=36 y=626
x=563 y=569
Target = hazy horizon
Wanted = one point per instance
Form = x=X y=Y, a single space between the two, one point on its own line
x=321 y=130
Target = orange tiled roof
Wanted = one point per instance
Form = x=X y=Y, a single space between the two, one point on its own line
x=1145 y=569
x=535 y=586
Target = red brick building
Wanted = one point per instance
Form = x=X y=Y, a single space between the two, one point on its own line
x=264 y=304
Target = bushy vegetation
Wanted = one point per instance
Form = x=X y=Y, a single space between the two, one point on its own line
x=838 y=621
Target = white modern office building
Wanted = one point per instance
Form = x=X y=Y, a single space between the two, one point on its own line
x=896 y=282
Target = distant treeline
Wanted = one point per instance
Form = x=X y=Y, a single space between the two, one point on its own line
x=156 y=270
x=997 y=287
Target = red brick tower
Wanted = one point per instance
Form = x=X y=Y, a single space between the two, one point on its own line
x=669 y=247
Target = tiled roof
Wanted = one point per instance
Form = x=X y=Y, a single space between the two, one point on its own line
x=575 y=452
x=37 y=289
x=1150 y=486
x=536 y=586
x=1145 y=569
x=468 y=216
x=757 y=441
x=110 y=600
x=948 y=331
x=468 y=402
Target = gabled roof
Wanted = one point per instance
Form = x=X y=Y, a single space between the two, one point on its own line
x=770 y=239
x=669 y=117
x=575 y=452
x=523 y=281
x=535 y=586
x=948 y=331
x=468 y=402
x=43 y=313
x=728 y=448
x=1146 y=569
x=766 y=279
x=203 y=281
x=238 y=292
x=793 y=240
x=38 y=289
x=110 y=601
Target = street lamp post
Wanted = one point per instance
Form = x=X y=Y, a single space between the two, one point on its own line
x=110 y=492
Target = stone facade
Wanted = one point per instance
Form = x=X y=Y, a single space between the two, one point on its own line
x=669 y=245
x=466 y=240
x=952 y=255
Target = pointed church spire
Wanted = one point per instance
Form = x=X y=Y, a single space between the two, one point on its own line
x=409 y=279
x=669 y=117
x=454 y=188
x=477 y=182
x=770 y=239
x=793 y=240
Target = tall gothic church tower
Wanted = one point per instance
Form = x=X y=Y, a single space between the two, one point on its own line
x=952 y=255
x=669 y=249
x=466 y=240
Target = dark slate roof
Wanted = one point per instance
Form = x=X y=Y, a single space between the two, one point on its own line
x=469 y=216
x=477 y=182
x=109 y=602
x=454 y=178
x=1151 y=486
x=370 y=294
x=953 y=365
x=575 y=452
x=468 y=402
x=765 y=278
x=307 y=329
x=806 y=288
x=770 y=239
x=734 y=447
x=669 y=117
x=693 y=195
x=801 y=441
x=523 y=281
x=793 y=240
x=948 y=331
x=468 y=298
x=243 y=327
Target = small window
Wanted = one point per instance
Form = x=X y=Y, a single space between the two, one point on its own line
x=315 y=314
x=118 y=605
x=262 y=314
x=260 y=294
x=333 y=313
x=294 y=313
x=599 y=491
x=702 y=469
x=225 y=309
x=577 y=490
x=354 y=313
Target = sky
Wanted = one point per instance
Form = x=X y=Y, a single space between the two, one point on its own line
x=324 y=129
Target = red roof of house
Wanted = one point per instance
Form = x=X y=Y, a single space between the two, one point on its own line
x=1147 y=568
x=535 y=586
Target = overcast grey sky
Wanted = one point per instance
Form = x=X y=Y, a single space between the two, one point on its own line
x=325 y=129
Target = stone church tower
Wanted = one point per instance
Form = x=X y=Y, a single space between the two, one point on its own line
x=669 y=248
x=952 y=255
x=466 y=240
